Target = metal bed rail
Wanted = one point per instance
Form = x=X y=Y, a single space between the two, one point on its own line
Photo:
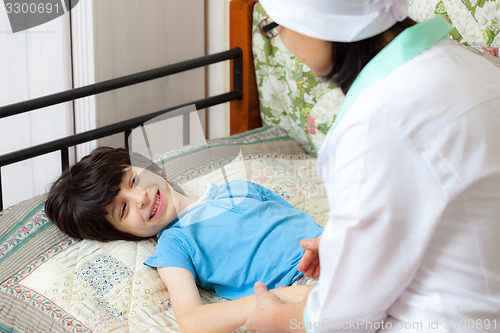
x=125 y=126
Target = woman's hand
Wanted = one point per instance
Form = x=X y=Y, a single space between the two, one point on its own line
x=309 y=264
x=293 y=294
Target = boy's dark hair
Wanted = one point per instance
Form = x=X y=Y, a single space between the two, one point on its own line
x=76 y=201
x=350 y=58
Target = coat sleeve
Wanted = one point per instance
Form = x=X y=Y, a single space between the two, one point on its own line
x=384 y=206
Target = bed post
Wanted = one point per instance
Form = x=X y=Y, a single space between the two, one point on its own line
x=244 y=113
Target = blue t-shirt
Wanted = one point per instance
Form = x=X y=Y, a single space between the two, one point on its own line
x=241 y=234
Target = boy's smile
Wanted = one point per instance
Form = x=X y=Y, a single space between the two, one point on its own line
x=157 y=206
x=145 y=204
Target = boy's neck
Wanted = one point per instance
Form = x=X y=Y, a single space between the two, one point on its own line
x=184 y=202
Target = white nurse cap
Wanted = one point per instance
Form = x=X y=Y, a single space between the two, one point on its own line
x=337 y=20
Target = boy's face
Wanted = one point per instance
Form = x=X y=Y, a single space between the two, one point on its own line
x=145 y=205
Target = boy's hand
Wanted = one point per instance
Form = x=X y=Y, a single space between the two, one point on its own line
x=261 y=318
x=309 y=264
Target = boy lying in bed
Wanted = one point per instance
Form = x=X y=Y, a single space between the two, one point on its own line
x=228 y=239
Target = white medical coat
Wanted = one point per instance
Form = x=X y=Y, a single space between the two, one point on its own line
x=412 y=173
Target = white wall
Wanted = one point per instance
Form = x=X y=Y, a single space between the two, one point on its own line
x=218 y=74
x=136 y=35
x=33 y=63
x=110 y=38
x=82 y=21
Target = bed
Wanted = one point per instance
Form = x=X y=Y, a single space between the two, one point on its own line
x=280 y=114
x=50 y=282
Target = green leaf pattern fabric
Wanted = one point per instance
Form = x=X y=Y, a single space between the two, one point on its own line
x=476 y=22
x=289 y=93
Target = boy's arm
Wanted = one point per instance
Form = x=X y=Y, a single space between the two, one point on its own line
x=191 y=314
x=194 y=316
x=271 y=314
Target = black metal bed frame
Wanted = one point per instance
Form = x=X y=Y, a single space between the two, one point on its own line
x=125 y=126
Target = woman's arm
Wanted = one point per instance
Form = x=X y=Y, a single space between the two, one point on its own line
x=194 y=316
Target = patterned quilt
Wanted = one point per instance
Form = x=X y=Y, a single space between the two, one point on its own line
x=52 y=283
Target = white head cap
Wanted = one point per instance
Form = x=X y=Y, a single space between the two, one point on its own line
x=337 y=20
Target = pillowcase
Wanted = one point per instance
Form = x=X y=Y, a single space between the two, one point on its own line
x=289 y=91
x=476 y=23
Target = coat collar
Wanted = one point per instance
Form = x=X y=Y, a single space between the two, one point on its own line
x=403 y=48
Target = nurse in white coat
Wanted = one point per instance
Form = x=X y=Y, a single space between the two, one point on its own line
x=412 y=172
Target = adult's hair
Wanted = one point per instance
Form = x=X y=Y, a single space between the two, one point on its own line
x=350 y=58
x=76 y=201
